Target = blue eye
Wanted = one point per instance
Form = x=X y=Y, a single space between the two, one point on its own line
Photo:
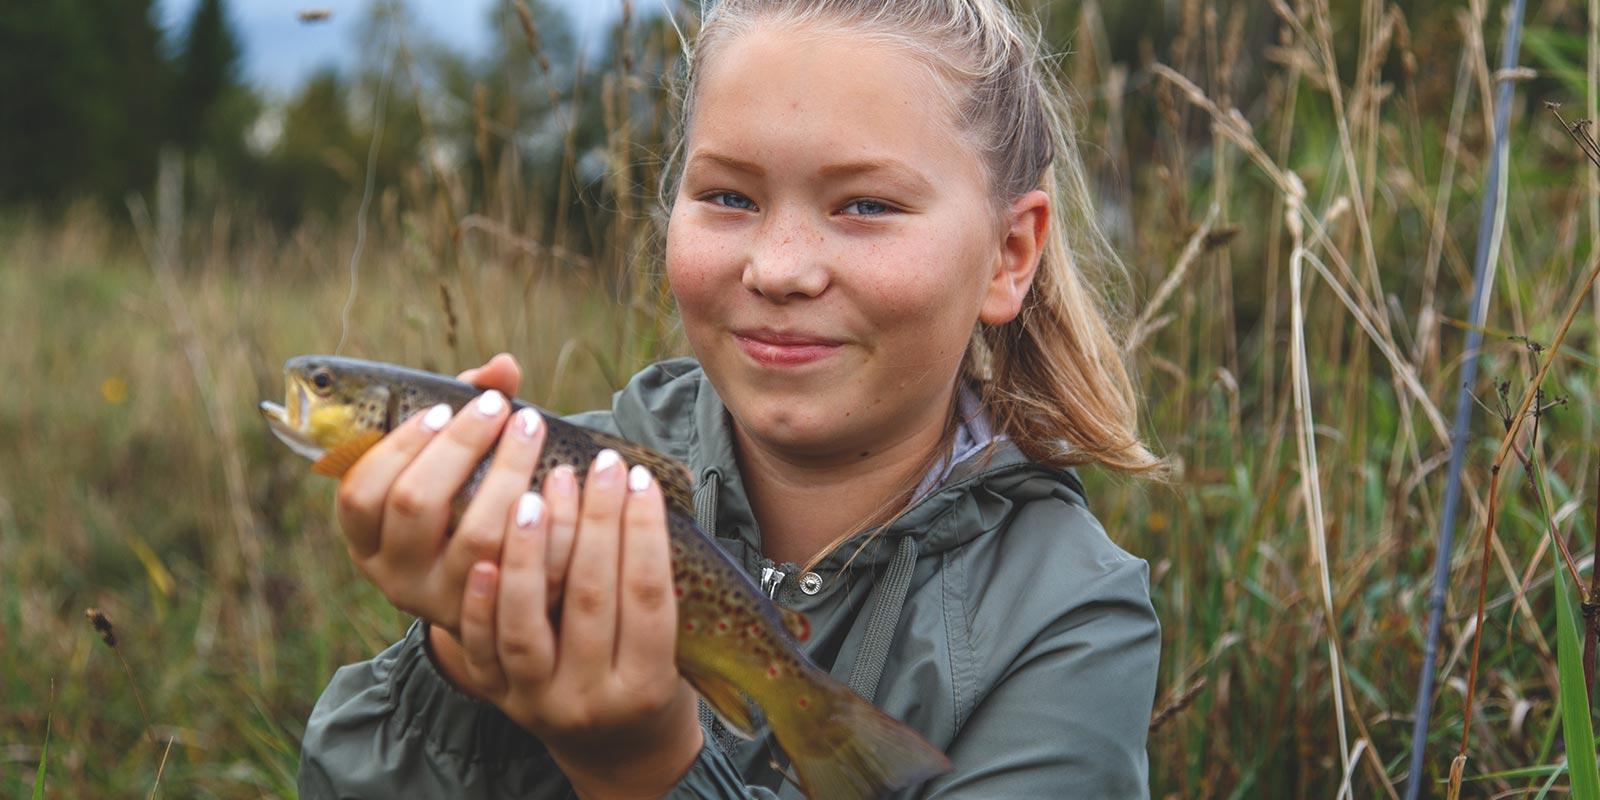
x=868 y=208
x=732 y=200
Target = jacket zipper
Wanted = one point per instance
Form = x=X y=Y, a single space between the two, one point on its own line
x=770 y=580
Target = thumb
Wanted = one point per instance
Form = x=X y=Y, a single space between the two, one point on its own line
x=501 y=372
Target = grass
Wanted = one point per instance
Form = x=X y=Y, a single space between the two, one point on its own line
x=1300 y=373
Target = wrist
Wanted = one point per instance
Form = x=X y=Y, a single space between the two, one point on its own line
x=647 y=771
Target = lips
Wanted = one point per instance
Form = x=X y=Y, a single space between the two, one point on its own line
x=774 y=348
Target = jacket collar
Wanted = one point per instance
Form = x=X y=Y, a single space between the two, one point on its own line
x=971 y=496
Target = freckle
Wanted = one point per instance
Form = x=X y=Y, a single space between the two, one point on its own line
x=863 y=454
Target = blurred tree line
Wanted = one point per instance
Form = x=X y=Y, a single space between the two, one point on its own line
x=91 y=93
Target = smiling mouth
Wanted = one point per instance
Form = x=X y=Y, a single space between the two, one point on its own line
x=788 y=351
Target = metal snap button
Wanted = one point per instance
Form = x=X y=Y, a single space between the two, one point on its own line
x=811 y=583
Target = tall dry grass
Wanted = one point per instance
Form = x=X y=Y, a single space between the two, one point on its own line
x=1295 y=195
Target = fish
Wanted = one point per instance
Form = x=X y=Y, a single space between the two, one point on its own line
x=735 y=646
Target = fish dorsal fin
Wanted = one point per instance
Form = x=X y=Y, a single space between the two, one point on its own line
x=799 y=627
x=676 y=483
x=726 y=700
x=337 y=461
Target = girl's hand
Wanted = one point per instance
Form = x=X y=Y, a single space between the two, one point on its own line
x=602 y=690
x=394 y=505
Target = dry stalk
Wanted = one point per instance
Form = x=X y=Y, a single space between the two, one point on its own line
x=1146 y=325
x=108 y=634
x=1507 y=443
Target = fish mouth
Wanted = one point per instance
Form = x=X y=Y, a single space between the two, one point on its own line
x=282 y=421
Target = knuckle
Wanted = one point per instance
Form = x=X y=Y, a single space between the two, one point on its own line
x=648 y=595
x=585 y=599
x=355 y=499
x=479 y=542
x=409 y=500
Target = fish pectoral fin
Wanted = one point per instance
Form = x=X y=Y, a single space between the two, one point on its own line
x=798 y=626
x=337 y=461
x=726 y=700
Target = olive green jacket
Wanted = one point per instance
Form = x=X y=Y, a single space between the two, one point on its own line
x=995 y=617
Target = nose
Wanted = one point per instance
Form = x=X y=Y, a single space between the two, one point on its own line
x=787 y=262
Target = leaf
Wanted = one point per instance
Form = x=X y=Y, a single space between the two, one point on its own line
x=1576 y=728
x=44 y=758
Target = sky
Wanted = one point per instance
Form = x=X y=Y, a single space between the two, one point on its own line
x=280 y=51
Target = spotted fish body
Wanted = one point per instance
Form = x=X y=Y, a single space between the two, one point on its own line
x=734 y=645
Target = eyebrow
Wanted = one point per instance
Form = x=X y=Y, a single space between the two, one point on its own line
x=895 y=170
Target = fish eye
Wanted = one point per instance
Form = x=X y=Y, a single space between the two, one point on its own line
x=322 y=379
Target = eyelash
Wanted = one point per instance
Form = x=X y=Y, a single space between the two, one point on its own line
x=719 y=198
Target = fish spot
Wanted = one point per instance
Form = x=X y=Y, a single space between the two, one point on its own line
x=722 y=626
x=772 y=670
x=803 y=701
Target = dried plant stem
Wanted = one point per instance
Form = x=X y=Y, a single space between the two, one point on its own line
x=1507 y=444
x=1146 y=324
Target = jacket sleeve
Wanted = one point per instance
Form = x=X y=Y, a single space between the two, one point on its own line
x=1070 y=714
x=393 y=727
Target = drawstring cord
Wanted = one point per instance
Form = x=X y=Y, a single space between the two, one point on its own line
x=888 y=598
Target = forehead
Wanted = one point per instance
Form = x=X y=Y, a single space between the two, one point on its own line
x=777 y=91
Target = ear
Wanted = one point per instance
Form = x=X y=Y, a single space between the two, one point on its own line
x=1027 y=225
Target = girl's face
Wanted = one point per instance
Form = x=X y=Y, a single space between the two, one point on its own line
x=833 y=242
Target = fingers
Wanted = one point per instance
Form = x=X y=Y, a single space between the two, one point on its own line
x=501 y=372
x=561 y=495
x=482 y=528
x=648 y=629
x=364 y=490
x=589 y=601
x=418 y=506
x=478 y=612
x=526 y=642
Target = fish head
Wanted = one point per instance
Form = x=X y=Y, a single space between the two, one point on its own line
x=331 y=405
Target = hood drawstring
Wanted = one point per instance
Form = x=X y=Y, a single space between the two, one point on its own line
x=888 y=598
x=705 y=500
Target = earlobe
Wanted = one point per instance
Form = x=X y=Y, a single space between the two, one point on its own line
x=1027 y=229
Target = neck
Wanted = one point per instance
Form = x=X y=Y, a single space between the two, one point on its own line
x=804 y=503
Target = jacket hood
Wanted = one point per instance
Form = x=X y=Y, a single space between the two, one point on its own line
x=673 y=408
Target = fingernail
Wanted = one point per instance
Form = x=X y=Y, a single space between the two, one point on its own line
x=565 y=480
x=437 y=417
x=607 y=461
x=638 y=478
x=528 y=422
x=491 y=403
x=530 y=507
x=479 y=579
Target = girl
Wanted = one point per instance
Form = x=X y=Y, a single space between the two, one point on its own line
x=879 y=240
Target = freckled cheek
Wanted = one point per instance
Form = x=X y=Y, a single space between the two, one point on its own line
x=701 y=269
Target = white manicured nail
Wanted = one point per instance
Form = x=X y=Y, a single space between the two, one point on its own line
x=528 y=421
x=530 y=507
x=491 y=403
x=437 y=417
x=607 y=459
x=638 y=478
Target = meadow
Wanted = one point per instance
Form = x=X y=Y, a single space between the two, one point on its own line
x=1295 y=192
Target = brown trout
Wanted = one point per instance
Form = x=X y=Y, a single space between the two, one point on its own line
x=735 y=646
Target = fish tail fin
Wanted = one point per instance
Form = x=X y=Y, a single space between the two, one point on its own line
x=842 y=746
